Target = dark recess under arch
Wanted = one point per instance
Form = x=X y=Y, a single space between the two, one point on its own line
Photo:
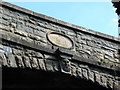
x=30 y=78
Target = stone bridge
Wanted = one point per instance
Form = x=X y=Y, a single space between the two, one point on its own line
x=32 y=41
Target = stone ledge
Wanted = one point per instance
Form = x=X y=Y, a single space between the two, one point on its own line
x=16 y=40
x=59 y=22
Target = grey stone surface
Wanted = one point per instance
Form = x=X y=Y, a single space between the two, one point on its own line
x=50 y=57
x=97 y=78
x=26 y=61
x=41 y=63
x=74 y=69
x=91 y=75
x=3 y=59
x=49 y=65
x=11 y=60
x=85 y=73
x=79 y=72
x=19 y=61
x=34 y=63
x=65 y=66
x=104 y=80
x=110 y=82
x=26 y=45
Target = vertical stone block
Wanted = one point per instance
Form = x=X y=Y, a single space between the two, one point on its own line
x=7 y=50
x=49 y=65
x=116 y=85
x=85 y=73
x=26 y=61
x=19 y=61
x=103 y=80
x=11 y=60
x=56 y=66
x=1 y=46
x=91 y=75
x=41 y=64
x=74 y=69
x=34 y=63
x=110 y=82
x=3 y=60
x=79 y=72
x=97 y=78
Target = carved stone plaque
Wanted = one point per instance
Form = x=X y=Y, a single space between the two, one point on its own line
x=60 y=40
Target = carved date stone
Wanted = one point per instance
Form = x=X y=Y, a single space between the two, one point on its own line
x=60 y=40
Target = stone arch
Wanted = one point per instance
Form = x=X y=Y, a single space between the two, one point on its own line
x=31 y=78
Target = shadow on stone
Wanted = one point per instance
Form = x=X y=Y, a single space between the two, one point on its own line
x=27 y=78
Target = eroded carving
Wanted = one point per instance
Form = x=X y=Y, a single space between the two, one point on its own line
x=60 y=40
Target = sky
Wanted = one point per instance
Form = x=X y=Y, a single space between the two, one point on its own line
x=98 y=16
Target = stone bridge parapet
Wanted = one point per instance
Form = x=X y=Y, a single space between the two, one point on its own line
x=32 y=40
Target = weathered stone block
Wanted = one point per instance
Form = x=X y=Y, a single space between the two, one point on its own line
x=34 y=37
x=73 y=70
x=85 y=37
x=91 y=75
x=49 y=65
x=31 y=21
x=41 y=63
x=71 y=33
x=11 y=60
x=56 y=66
x=82 y=41
x=100 y=56
x=34 y=63
x=90 y=43
x=4 y=22
x=11 y=29
x=103 y=80
x=8 y=50
x=3 y=60
x=97 y=77
x=13 y=25
x=2 y=51
x=17 y=52
x=79 y=72
x=5 y=28
x=50 y=57
x=28 y=29
x=36 y=54
x=40 y=33
x=20 y=22
x=22 y=33
x=116 y=55
x=85 y=73
x=83 y=66
x=107 y=57
x=26 y=61
x=65 y=66
x=110 y=82
x=116 y=85
x=19 y=61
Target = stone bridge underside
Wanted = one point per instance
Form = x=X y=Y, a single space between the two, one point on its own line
x=38 y=48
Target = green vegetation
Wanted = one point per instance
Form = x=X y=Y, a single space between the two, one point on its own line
x=107 y=62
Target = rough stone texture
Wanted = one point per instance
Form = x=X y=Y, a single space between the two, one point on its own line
x=55 y=64
x=86 y=45
x=94 y=56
